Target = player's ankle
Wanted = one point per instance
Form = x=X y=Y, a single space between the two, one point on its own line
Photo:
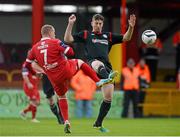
x=67 y=122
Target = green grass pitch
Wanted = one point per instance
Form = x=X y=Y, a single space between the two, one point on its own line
x=83 y=127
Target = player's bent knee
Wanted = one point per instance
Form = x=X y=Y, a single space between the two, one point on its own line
x=96 y=64
x=109 y=99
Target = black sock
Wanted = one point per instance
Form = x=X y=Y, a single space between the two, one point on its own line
x=56 y=112
x=102 y=72
x=60 y=116
x=54 y=109
x=104 y=109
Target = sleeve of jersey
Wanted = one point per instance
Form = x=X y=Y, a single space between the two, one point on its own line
x=116 y=38
x=29 y=59
x=25 y=71
x=66 y=49
x=79 y=37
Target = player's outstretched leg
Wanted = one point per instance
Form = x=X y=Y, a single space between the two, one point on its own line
x=110 y=79
x=92 y=74
x=103 y=82
x=113 y=75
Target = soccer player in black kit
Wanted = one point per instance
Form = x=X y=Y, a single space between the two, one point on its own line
x=97 y=47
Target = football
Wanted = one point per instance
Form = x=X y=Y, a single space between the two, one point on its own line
x=149 y=37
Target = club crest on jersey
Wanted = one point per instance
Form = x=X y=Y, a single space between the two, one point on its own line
x=104 y=35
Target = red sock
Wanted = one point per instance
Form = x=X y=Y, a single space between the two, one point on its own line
x=27 y=109
x=63 y=104
x=34 y=110
x=89 y=72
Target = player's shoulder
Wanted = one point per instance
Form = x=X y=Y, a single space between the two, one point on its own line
x=107 y=33
x=54 y=41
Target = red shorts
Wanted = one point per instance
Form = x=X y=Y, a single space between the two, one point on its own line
x=61 y=86
x=32 y=94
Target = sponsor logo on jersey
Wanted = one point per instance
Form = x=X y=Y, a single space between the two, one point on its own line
x=101 y=41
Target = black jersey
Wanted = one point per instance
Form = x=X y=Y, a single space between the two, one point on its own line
x=97 y=45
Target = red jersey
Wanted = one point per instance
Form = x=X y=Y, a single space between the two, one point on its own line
x=27 y=70
x=31 y=74
x=50 y=55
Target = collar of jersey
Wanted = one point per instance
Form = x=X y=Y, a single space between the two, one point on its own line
x=97 y=33
x=45 y=38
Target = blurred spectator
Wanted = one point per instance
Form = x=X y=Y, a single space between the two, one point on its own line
x=4 y=56
x=84 y=90
x=151 y=55
x=1 y=54
x=130 y=85
x=178 y=79
x=176 y=44
x=144 y=79
x=14 y=56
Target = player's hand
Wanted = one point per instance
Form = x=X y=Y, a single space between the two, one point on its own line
x=72 y=19
x=132 y=20
x=30 y=86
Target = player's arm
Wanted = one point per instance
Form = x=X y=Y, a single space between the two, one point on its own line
x=68 y=51
x=36 y=67
x=68 y=33
x=132 y=21
x=30 y=58
x=25 y=73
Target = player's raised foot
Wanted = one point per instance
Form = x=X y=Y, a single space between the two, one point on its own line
x=113 y=75
x=67 y=127
x=103 y=82
x=23 y=115
x=35 y=120
x=101 y=128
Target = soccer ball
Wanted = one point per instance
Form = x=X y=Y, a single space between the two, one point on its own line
x=149 y=37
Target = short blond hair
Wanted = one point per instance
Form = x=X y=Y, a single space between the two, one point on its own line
x=46 y=29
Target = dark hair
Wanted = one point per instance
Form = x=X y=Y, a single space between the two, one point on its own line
x=98 y=17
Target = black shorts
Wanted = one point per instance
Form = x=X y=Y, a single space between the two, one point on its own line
x=47 y=87
x=107 y=65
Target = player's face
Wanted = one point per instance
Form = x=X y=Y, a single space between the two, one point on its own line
x=97 y=25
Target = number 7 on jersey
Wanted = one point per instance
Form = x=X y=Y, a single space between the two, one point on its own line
x=44 y=51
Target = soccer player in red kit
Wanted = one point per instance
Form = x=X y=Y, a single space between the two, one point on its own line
x=50 y=54
x=30 y=86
